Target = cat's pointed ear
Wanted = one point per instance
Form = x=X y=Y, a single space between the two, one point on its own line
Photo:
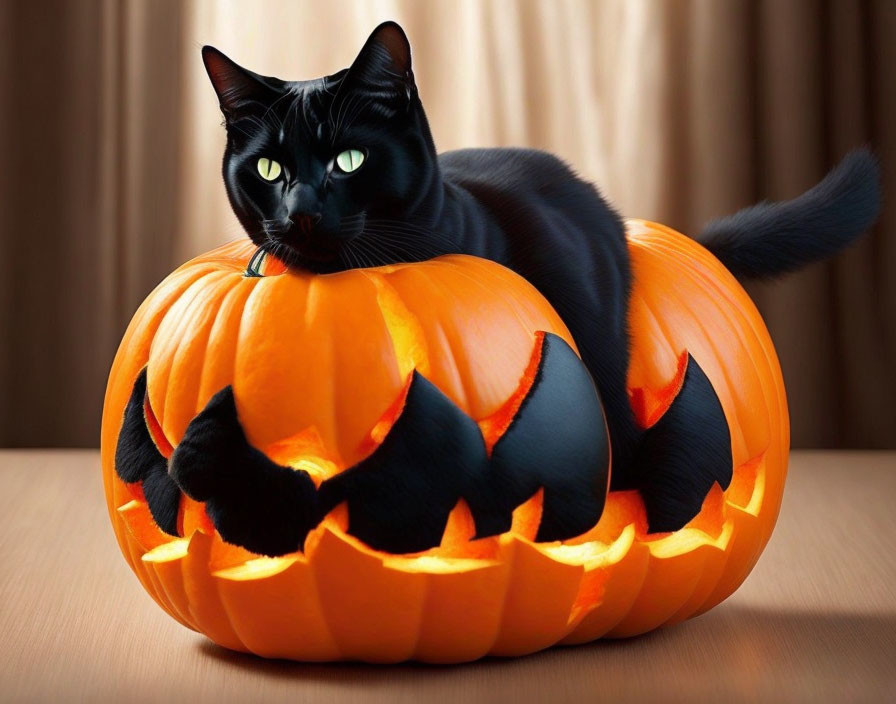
x=235 y=85
x=385 y=57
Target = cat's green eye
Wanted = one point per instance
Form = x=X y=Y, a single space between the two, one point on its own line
x=349 y=160
x=269 y=169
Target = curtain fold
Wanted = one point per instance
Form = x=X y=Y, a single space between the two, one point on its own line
x=679 y=111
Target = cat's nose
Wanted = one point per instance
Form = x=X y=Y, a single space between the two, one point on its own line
x=301 y=199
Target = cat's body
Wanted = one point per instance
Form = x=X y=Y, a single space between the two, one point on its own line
x=343 y=172
x=527 y=210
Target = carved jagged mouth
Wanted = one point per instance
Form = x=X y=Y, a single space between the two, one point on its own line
x=550 y=436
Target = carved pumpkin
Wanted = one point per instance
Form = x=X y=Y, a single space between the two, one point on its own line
x=411 y=461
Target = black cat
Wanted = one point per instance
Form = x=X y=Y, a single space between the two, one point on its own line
x=342 y=172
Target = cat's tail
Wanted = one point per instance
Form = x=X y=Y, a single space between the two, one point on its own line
x=769 y=239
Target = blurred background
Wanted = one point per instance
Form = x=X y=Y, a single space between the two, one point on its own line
x=111 y=143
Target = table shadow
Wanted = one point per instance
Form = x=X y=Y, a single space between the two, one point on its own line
x=732 y=649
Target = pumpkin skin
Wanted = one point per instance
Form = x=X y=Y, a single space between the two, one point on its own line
x=207 y=326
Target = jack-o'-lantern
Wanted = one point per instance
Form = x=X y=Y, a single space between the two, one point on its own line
x=411 y=461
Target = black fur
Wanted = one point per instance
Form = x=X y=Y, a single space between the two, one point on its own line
x=137 y=459
x=252 y=501
x=400 y=496
x=684 y=454
x=769 y=239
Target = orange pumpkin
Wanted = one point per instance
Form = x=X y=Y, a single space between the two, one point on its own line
x=318 y=367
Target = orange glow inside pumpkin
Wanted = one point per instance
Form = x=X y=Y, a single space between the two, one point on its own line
x=624 y=512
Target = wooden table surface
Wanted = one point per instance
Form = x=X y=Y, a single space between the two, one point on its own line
x=816 y=621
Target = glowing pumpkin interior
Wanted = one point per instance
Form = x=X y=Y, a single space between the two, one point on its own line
x=318 y=387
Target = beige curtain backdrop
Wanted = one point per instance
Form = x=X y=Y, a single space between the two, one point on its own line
x=679 y=111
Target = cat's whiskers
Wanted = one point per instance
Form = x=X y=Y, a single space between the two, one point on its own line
x=291 y=119
x=431 y=243
x=272 y=106
x=369 y=254
x=264 y=122
x=280 y=251
x=334 y=124
x=413 y=241
x=400 y=226
x=253 y=119
x=276 y=227
x=407 y=240
x=354 y=107
x=234 y=126
x=351 y=253
x=403 y=250
x=359 y=109
x=346 y=104
x=305 y=106
x=343 y=82
x=351 y=221
x=369 y=248
x=366 y=256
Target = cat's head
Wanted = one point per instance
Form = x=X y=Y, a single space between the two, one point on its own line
x=315 y=168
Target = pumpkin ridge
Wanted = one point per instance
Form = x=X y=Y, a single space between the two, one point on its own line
x=173 y=322
x=235 y=307
x=208 y=308
x=496 y=293
x=459 y=360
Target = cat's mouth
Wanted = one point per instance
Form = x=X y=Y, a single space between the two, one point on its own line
x=304 y=250
x=305 y=246
x=316 y=248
